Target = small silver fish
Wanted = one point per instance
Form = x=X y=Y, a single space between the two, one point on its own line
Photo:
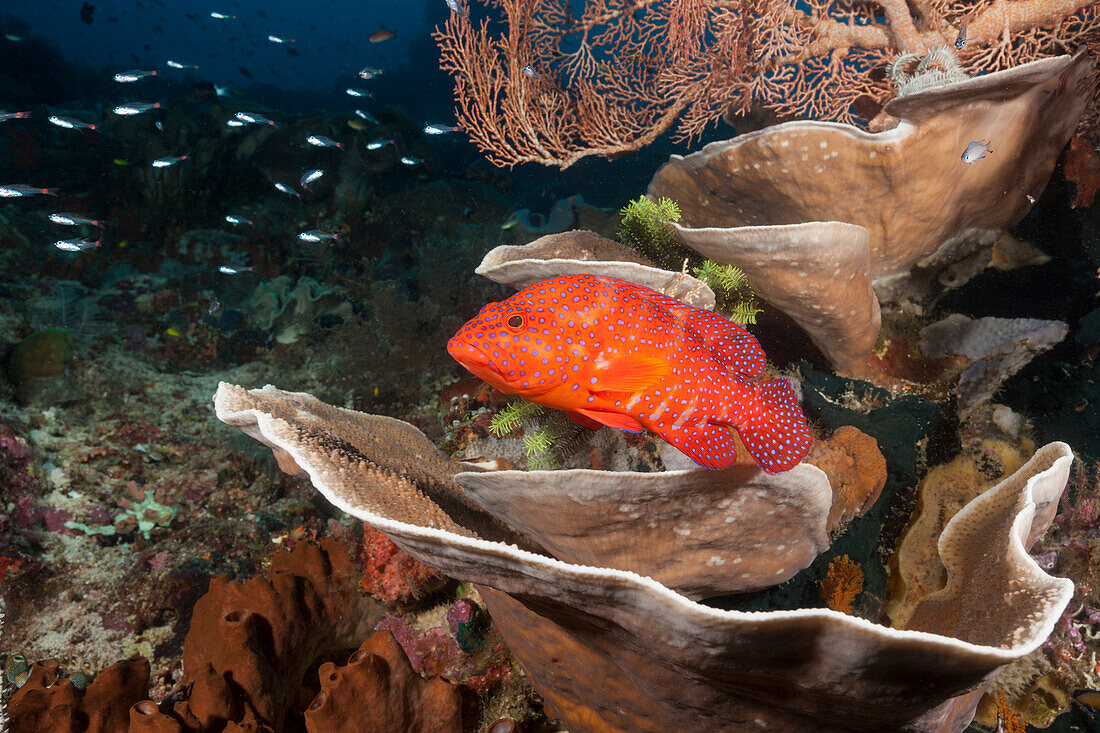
x=78 y=244
x=234 y=269
x=364 y=115
x=960 y=40
x=369 y=72
x=316 y=235
x=222 y=16
x=530 y=71
x=1031 y=199
x=455 y=7
x=178 y=65
x=378 y=143
x=287 y=190
x=323 y=142
x=159 y=125
x=70 y=123
x=310 y=176
x=126 y=77
x=410 y=160
x=234 y=123
x=254 y=118
x=72 y=220
x=975 y=151
x=221 y=91
x=5 y=115
x=238 y=220
x=356 y=92
x=213 y=309
x=168 y=161
x=13 y=37
x=436 y=129
x=135 y=108
x=280 y=39
x=19 y=190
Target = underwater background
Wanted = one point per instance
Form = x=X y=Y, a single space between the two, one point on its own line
x=297 y=194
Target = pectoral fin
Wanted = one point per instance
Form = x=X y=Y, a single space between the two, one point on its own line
x=613 y=419
x=629 y=373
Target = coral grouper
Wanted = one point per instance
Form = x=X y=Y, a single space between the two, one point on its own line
x=609 y=352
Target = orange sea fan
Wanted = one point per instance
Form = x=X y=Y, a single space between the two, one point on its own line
x=554 y=88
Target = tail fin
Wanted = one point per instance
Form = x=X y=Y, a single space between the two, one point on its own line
x=776 y=434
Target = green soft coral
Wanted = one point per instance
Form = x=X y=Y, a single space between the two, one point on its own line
x=645 y=227
x=731 y=285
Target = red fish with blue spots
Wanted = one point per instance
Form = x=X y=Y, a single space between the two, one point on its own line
x=608 y=352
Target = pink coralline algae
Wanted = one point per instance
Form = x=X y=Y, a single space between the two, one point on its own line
x=437 y=653
x=389 y=572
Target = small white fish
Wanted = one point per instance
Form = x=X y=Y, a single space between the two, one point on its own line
x=254 y=118
x=280 y=39
x=379 y=143
x=178 y=65
x=287 y=190
x=960 y=40
x=410 y=160
x=323 y=142
x=234 y=123
x=238 y=220
x=530 y=71
x=168 y=161
x=310 y=176
x=975 y=151
x=1031 y=199
x=316 y=235
x=234 y=269
x=435 y=129
x=70 y=123
x=5 y=115
x=72 y=220
x=369 y=72
x=455 y=7
x=356 y=92
x=364 y=115
x=222 y=16
x=19 y=190
x=78 y=244
x=126 y=77
x=135 y=108
x=222 y=91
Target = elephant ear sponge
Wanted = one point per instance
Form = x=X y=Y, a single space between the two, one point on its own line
x=42 y=354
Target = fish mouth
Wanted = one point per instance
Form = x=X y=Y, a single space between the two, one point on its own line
x=475 y=361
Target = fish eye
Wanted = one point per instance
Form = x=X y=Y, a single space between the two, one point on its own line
x=515 y=321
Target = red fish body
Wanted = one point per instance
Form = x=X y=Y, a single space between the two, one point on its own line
x=608 y=352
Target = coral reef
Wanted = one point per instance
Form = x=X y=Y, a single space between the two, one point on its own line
x=789 y=204
x=968 y=632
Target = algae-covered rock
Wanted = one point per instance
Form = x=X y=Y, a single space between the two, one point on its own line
x=42 y=354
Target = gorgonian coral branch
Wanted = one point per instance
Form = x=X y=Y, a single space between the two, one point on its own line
x=555 y=87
